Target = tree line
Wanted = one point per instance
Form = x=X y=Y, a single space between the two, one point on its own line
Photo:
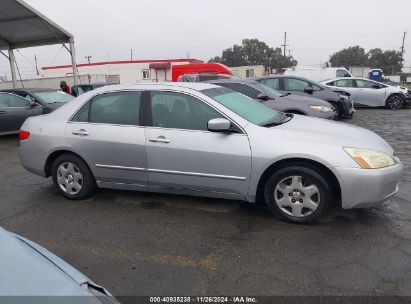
x=256 y=52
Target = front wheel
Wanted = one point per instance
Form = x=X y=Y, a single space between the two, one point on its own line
x=298 y=194
x=72 y=177
x=395 y=102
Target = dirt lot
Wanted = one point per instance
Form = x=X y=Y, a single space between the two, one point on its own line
x=149 y=244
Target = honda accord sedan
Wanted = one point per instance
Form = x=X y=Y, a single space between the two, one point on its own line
x=202 y=139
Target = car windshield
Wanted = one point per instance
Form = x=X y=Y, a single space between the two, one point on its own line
x=249 y=109
x=270 y=92
x=53 y=96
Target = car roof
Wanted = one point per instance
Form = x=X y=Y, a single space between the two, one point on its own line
x=245 y=81
x=198 y=86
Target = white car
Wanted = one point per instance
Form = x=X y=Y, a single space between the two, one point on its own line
x=369 y=93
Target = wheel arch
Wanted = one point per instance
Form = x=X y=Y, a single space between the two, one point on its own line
x=313 y=164
x=55 y=154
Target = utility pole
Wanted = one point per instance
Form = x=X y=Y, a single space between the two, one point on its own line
x=37 y=68
x=88 y=59
x=131 y=54
x=402 y=47
x=285 y=43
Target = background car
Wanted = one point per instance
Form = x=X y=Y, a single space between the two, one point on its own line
x=198 y=77
x=79 y=89
x=14 y=110
x=287 y=103
x=47 y=99
x=368 y=93
x=29 y=270
x=341 y=102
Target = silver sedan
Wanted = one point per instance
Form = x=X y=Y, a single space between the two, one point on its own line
x=369 y=93
x=202 y=139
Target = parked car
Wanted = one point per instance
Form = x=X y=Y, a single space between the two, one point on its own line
x=79 y=89
x=206 y=140
x=47 y=99
x=317 y=74
x=29 y=270
x=368 y=93
x=199 y=77
x=340 y=100
x=287 y=103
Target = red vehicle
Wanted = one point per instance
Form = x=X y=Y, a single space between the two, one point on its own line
x=215 y=68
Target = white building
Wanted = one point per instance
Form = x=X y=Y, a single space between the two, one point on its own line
x=248 y=71
x=129 y=71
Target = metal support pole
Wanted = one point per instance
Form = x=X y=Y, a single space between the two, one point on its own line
x=13 y=68
x=73 y=60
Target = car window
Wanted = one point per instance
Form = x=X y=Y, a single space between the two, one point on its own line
x=241 y=88
x=250 y=109
x=120 y=108
x=13 y=101
x=342 y=73
x=344 y=83
x=53 y=96
x=315 y=87
x=180 y=111
x=367 y=84
x=273 y=83
x=292 y=84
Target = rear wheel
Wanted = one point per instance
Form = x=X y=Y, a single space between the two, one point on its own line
x=72 y=177
x=395 y=102
x=298 y=194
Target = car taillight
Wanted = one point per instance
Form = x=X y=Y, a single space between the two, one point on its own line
x=23 y=135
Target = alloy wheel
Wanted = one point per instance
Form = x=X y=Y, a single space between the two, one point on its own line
x=69 y=178
x=296 y=196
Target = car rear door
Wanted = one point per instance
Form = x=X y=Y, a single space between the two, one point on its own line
x=14 y=110
x=182 y=153
x=108 y=132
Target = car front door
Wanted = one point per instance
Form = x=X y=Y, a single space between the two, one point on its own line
x=182 y=153
x=14 y=110
x=108 y=133
x=370 y=93
x=347 y=85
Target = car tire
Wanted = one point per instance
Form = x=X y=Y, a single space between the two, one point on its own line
x=395 y=102
x=297 y=193
x=336 y=110
x=72 y=177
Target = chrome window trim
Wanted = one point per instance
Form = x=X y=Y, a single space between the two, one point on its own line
x=172 y=172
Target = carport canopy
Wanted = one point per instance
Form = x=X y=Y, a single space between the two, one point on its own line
x=22 y=26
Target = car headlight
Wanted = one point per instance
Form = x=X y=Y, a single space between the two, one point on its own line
x=321 y=109
x=343 y=97
x=370 y=159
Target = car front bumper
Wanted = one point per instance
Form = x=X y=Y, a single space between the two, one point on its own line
x=364 y=188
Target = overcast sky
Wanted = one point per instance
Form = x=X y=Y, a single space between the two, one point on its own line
x=160 y=29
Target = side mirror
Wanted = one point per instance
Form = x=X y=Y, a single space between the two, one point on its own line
x=308 y=90
x=376 y=86
x=263 y=96
x=219 y=125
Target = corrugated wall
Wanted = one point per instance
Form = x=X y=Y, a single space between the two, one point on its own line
x=54 y=82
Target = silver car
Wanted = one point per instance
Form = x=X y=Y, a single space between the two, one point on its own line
x=369 y=93
x=32 y=274
x=202 y=139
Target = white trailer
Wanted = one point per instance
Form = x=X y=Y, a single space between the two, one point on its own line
x=317 y=74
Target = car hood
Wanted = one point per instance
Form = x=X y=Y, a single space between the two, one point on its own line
x=322 y=131
x=28 y=269
x=304 y=99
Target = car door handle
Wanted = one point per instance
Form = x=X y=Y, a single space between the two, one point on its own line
x=3 y=112
x=81 y=132
x=160 y=139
